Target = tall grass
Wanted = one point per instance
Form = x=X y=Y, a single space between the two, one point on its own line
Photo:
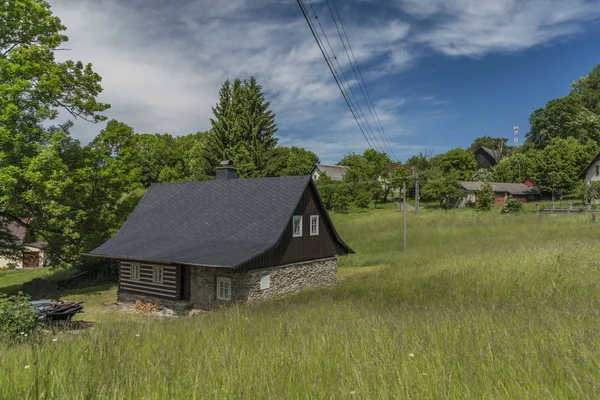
x=482 y=305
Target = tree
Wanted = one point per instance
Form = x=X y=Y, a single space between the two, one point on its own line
x=515 y=168
x=290 y=161
x=458 y=162
x=421 y=161
x=442 y=188
x=558 y=165
x=243 y=129
x=485 y=197
x=44 y=173
x=482 y=175
x=563 y=118
x=588 y=89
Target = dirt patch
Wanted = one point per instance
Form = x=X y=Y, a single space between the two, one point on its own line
x=39 y=288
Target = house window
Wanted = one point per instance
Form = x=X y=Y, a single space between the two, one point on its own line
x=314 y=225
x=597 y=170
x=224 y=289
x=134 y=271
x=315 y=176
x=297 y=225
x=265 y=282
x=157 y=274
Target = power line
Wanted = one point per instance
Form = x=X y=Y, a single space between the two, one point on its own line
x=361 y=81
x=312 y=30
x=364 y=120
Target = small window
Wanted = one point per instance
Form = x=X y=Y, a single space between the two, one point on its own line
x=224 y=289
x=134 y=271
x=297 y=225
x=315 y=176
x=157 y=274
x=265 y=282
x=314 y=225
x=597 y=169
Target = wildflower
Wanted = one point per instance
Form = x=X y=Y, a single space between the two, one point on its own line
x=25 y=334
x=54 y=340
x=22 y=333
x=137 y=335
x=352 y=392
x=411 y=355
x=27 y=366
x=424 y=373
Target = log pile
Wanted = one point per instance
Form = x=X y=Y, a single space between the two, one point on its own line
x=56 y=311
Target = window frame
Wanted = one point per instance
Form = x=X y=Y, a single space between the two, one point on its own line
x=227 y=284
x=158 y=271
x=314 y=218
x=294 y=219
x=135 y=267
x=265 y=282
x=597 y=169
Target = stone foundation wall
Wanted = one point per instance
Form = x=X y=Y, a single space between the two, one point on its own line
x=131 y=298
x=245 y=286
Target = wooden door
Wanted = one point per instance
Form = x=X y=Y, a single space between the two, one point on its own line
x=31 y=259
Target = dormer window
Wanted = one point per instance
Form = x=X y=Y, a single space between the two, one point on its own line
x=297 y=226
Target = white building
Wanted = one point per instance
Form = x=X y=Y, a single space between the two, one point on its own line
x=591 y=173
x=33 y=255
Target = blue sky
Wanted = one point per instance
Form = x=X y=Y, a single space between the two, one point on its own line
x=441 y=72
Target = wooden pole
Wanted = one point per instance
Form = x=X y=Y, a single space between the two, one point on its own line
x=417 y=195
x=404 y=210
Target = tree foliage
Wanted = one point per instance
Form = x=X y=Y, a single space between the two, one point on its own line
x=485 y=197
x=458 y=162
x=489 y=142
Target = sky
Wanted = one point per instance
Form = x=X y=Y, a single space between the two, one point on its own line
x=440 y=73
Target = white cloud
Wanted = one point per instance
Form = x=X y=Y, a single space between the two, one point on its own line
x=478 y=27
x=162 y=62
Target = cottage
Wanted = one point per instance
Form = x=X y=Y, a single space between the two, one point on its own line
x=226 y=240
x=523 y=192
x=335 y=172
x=33 y=253
x=591 y=172
x=487 y=158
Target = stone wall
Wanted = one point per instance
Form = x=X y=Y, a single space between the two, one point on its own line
x=245 y=286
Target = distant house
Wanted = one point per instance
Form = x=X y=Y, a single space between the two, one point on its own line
x=33 y=255
x=523 y=192
x=335 y=172
x=591 y=172
x=227 y=240
x=487 y=158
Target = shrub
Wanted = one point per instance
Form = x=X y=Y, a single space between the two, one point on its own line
x=16 y=314
x=485 y=197
x=511 y=205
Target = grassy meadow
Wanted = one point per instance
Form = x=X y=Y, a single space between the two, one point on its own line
x=483 y=305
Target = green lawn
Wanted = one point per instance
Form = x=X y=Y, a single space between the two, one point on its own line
x=483 y=305
x=12 y=280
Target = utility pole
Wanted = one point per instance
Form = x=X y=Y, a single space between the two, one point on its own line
x=417 y=194
x=404 y=210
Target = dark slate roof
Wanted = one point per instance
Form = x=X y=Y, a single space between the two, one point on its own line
x=19 y=232
x=218 y=223
x=502 y=187
x=496 y=154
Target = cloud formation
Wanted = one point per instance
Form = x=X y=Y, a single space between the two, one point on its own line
x=162 y=62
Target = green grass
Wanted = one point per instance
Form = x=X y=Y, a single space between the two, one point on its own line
x=12 y=280
x=490 y=305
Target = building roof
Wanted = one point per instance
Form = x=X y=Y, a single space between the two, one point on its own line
x=496 y=154
x=218 y=223
x=335 y=172
x=19 y=233
x=584 y=172
x=502 y=187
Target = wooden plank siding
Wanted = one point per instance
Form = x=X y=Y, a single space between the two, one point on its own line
x=297 y=249
x=169 y=289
